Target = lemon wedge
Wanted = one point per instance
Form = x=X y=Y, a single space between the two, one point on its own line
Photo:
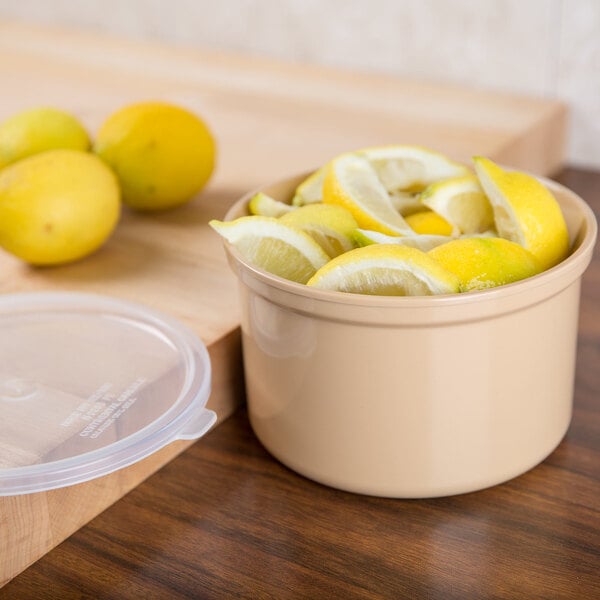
x=411 y=168
x=273 y=246
x=525 y=212
x=462 y=202
x=351 y=182
x=429 y=222
x=364 y=237
x=484 y=262
x=264 y=206
x=311 y=189
x=331 y=226
x=385 y=270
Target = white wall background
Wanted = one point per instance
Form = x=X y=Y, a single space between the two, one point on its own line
x=548 y=48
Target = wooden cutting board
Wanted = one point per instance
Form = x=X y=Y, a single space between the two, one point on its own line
x=270 y=120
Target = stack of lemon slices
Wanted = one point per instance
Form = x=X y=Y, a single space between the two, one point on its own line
x=404 y=220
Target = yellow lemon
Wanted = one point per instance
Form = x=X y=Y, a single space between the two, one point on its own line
x=385 y=270
x=525 y=211
x=162 y=154
x=278 y=248
x=57 y=206
x=331 y=226
x=37 y=130
x=485 y=262
x=428 y=222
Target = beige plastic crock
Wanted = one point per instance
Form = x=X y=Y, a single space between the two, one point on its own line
x=413 y=396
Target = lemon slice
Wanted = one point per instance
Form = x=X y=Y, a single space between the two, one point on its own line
x=385 y=270
x=482 y=263
x=311 y=189
x=411 y=168
x=364 y=237
x=274 y=246
x=429 y=223
x=525 y=212
x=462 y=202
x=351 y=182
x=264 y=206
x=331 y=226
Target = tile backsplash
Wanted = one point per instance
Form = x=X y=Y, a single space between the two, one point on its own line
x=547 y=48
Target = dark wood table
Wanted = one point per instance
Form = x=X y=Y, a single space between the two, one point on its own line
x=225 y=520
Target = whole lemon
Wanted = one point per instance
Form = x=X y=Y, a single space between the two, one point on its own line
x=57 y=206
x=162 y=154
x=37 y=130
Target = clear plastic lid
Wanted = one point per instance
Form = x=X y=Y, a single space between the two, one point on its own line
x=89 y=385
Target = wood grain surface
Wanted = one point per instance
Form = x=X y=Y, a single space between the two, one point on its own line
x=225 y=520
